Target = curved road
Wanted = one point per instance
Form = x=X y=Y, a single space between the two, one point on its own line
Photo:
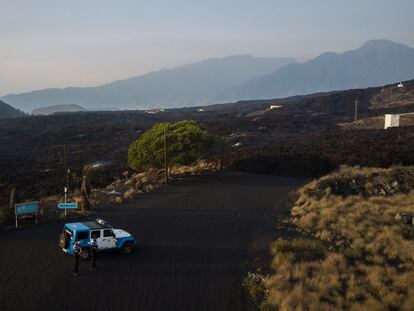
x=197 y=240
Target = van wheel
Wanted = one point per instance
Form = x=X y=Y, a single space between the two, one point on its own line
x=127 y=248
x=84 y=255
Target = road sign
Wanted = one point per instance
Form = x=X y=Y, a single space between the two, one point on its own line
x=27 y=208
x=68 y=205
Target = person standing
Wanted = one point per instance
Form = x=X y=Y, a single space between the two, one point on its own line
x=76 y=256
x=94 y=251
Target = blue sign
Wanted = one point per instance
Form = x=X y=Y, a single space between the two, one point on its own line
x=27 y=208
x=68 y=205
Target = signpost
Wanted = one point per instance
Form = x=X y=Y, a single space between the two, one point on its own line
x=66 y=206
x=66 y=191
x=28 y=208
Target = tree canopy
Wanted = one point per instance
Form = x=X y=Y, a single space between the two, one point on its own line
x=187 y=141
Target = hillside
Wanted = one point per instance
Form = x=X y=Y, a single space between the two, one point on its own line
x=7 y=111
x=57 y=109
x=377 y=62
x=355 y=249
x=188 y=85
x=301 y=138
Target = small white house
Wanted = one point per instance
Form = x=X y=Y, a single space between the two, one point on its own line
x=274 y=107
x=392 y=120
x=400 y=85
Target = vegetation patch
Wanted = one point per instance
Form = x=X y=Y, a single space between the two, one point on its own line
x=359 y=253
x=367 y=182
x=181 y=143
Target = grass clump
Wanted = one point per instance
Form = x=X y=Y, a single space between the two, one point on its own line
x=299 y=249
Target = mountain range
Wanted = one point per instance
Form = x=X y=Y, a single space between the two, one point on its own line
x=188 y=85
x=7 y=111
x=377 y=62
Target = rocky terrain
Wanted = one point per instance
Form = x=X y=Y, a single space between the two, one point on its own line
x=300 y=136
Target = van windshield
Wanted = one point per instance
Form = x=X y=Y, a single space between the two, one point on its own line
x=82 y=235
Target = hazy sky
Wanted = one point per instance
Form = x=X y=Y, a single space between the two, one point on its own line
x=56 y=43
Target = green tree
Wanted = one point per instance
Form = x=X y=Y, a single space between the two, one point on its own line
x=187 y=141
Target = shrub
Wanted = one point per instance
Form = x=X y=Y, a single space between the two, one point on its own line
x=254 y=284
x=187 y=141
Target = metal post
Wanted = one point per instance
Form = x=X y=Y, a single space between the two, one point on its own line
x=165 y=156
x=66 y=159
x=66 y=190
x=356 y=110
x=67 y=178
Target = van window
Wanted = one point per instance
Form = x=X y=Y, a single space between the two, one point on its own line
x=83 y=235
x=108 y=232
x=69 y=232
x=97 y=233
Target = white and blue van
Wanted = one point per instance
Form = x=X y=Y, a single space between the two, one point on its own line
x=108 y=238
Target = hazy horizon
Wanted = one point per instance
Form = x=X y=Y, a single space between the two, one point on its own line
x=59 y=44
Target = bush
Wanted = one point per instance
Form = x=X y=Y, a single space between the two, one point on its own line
x=254 y=284
x=187 y=141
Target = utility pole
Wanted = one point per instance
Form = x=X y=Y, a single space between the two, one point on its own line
x=356 y=110
x=165 y=156
x=12 y=200
x=66 y=160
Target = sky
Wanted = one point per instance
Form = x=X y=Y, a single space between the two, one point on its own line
x=56 y=43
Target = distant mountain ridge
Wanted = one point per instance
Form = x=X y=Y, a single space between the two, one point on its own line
x=377 y=62
x=7 y=111
x=57 y=109
x=242 y=77
x=188 y=85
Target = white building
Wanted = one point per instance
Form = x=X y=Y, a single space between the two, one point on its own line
x=400 y=85
x=392 y=120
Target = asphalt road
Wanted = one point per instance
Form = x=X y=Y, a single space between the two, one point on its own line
x=197 y=240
